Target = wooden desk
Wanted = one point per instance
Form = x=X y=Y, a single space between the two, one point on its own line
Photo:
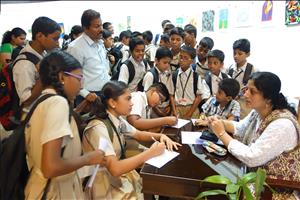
x=181 y=176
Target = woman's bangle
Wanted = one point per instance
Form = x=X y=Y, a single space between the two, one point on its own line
x=221 y=134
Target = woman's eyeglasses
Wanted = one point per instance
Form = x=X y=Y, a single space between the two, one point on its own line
x=78 y=77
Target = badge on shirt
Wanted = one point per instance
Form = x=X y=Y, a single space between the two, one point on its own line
x=182 y=101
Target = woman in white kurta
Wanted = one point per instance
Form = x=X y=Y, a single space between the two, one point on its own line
x=269 y=136
x=52 y=140
x=119 y=180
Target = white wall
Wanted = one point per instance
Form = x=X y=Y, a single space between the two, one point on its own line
x=274 y=46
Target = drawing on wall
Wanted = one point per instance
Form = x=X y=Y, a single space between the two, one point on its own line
x=208 y=20
x=243 y=14
x=193 y=21
x=267 y=11
x=62 y=28
x=128 y=22
x=292 y=12
x=179 y=22
x=223 y=19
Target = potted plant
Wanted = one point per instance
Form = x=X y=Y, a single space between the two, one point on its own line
x=234 y=190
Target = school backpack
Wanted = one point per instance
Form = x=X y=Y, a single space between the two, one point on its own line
x=131 y=71
x=10 y=109
x=247 y=73
x=207 y=79
x=118 y=55
x=14 y=172
x=155 y=74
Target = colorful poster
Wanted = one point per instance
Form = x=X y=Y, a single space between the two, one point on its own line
x=62 y=28
x=267 y=11
x=208 y=20
x=292 y=12
x=223 y=19
x=179 y=22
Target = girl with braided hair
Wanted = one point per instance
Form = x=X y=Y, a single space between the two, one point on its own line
x=52 y=141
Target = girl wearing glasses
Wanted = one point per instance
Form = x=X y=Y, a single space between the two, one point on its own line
x=52 y=141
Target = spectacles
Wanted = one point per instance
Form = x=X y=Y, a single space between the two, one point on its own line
x=78 y=77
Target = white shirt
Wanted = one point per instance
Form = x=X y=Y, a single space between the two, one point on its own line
x=278 y=137
x=138 y=76
x=150 y=52
x=215 y=80
x=140 y=105
x=184 y=94
x=25 y=74
x=201 y=69
x=95 y=67
x=238 y=74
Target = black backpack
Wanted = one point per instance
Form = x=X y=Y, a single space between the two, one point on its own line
x=10 y=109
x=208 y=79
x=155 y=74
x=14 y=172
x=118 y=55
x=131 y=71
x=247 y=73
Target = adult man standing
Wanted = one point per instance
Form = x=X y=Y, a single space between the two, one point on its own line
x=89 y=50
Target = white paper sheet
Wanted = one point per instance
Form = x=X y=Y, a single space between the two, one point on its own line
x=162 y=159
x=181 y=123
x=188 y=137
x=85 y=171
x=194 y=121
x=92 y=178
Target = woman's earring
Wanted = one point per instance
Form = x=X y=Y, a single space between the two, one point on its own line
x=62 y=83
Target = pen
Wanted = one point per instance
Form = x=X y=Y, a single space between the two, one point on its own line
x=154 y=139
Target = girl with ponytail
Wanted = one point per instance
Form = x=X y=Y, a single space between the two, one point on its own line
x=269 y=136
x=52 y=139
x=119 y=180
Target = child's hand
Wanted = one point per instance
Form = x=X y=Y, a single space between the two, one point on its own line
x=201 y=122
x=96 y=157
x=157 y=148
x=169 y=143
x=171 y=120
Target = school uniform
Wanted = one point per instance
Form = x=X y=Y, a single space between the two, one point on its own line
x=163 y=77
x=201 y=69
x=184 y=92
x=238 y=74
x=150 y=52
x=49 y=122
x=212 y=107
x=214 y=81
x=140 y=105
x=126 y=186
x=175 y=62
x=25 y=75
x=140 y=71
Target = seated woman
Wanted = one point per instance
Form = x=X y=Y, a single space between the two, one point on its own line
x=119 y=180
x=269 y=136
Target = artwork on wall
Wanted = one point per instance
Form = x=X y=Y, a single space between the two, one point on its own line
x=62 y=28
x=243 y=14
x=193 y=21
x=179 y=22
x=267 y=11
x=223 y=19
x=208 y=20
x=292 y=12
x=128 y=22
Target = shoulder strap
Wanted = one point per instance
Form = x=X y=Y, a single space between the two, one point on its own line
x=109 y=129
x=208 y=81
x=224 y=76
x=131 y=70
x=195 y=82
x=39 y=100
x=174 y=79
x=154 y=72
x=247 y=73
x=31 y=57
x=230 y=72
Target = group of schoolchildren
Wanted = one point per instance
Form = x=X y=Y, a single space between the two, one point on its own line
x=182 y=81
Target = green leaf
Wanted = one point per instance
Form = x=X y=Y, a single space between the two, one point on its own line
x=232 y=188
x=247 y=193
x=259 y=183
x=218 y=179
x=210 y=193
x=232 y=197
x=248 y=178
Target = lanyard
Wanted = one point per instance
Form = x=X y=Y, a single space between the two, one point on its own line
x=187 y=80
x=238 y=74
x=117 y=132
